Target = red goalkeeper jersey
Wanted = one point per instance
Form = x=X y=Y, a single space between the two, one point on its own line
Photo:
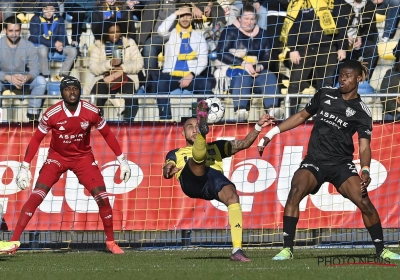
x=71 y=130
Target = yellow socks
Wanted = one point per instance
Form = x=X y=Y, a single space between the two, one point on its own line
x=235 y=221
x=199 y=149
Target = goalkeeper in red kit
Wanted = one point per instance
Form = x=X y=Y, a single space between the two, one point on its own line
x=70 y=122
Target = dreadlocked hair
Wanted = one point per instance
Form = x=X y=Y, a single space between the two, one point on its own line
x=360 y=67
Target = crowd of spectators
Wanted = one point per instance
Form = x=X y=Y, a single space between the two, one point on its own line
x=174 y=46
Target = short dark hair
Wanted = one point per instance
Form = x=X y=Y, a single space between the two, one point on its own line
x=356 y=65
x=11 y=20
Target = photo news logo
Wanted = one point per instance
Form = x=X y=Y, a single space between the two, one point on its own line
x=353 y=260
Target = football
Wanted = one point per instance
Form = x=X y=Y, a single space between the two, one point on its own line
x=216 y=109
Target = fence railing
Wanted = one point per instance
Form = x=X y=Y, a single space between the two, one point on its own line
x=194 y=97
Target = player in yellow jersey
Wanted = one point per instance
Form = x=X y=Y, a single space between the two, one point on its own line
x=198 y=168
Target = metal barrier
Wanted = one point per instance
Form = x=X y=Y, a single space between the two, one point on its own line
x=92 y=98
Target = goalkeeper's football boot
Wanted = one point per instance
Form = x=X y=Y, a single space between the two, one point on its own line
x=17 y=245
x=389 y=255
x=285 y=254
x=8 y=248
x=202 y=116
x=239 y=256
x=114 y=248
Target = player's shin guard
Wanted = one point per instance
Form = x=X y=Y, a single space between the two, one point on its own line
x=27 y=211
x=289 y=231
x=106 y=216
x=236 y=221
x=376 y=233
x=199 y=149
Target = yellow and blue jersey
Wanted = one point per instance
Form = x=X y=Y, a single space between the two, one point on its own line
x=216 y=151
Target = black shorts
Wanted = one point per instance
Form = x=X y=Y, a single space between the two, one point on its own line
x=205 y=187
x=335 y=174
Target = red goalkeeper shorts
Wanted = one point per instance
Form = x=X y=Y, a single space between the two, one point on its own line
x=85 y=168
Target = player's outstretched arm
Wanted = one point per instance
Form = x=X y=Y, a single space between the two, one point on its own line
x=365 y=161
x=290 y=123
x=112 y=142
x=169 y=170
x=238 y=145
x=24 y=175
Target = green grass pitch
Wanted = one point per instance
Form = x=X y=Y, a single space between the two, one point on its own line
x=191 y=264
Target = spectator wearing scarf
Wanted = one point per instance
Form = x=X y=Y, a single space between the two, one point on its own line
x=186 y=58
x=314 y=32
x=48 y=33
x=245 y=47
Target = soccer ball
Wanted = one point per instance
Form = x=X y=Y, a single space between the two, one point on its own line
x=216 y=109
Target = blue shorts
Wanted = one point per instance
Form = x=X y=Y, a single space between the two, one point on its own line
x=205 y=187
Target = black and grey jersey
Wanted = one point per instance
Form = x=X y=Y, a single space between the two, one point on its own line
x=336 y=121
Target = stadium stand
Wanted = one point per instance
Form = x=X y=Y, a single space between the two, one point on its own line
x=146 y=105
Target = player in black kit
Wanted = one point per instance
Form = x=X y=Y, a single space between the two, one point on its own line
x=339 y=114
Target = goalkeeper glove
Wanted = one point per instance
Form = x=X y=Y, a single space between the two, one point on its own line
x=23 y=176
x=124 y=168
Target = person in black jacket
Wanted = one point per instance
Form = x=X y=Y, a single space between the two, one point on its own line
x=251 y=68
x=111 y=10
x=391 y=84
x=314 y=49
x=362 y=32
x=276 y=12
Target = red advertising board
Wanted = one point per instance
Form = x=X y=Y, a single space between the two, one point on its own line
x=150 y=202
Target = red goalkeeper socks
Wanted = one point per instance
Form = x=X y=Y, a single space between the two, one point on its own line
x=105 y=213
x=27 y=212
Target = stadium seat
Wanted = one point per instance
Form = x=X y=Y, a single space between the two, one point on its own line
x=57 y=57
x=310 y=90
x=53 y=89
x=181 y=107
x=25 y=18
x=256 y=109
x=229 y=112
x=14 y=110
x=25 y=33
x=222 y=81
x=113 y=109
x=68 y=18
x=86 y=76
x=380 y=18
x=378 y=75
x=160 y=60
x=366 y=88
x=212 y=56
x=376 y=110
x=385 y=50
x=148 y=110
